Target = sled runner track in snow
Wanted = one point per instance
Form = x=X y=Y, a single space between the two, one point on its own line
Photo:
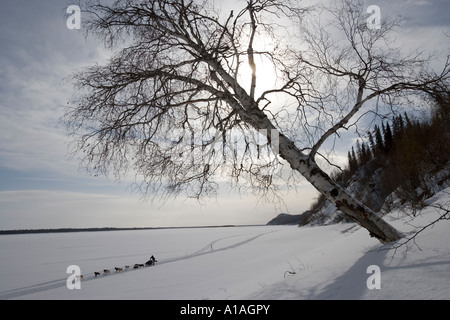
x=102 y=274
x=15 y=293
x=209 y=248
x=39 y=287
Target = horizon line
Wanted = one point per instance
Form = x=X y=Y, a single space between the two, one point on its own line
x=101 y=229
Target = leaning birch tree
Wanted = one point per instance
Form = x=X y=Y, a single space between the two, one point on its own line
x=176 y=106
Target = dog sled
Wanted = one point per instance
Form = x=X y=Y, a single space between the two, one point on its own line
x=151 y=262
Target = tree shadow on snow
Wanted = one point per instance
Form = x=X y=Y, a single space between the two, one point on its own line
x=406 y=278
x=352 y=285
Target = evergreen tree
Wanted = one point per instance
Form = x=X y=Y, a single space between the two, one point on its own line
x=378 y=140
x=372 y=142
x=359 y=152
x=351 y=166
x=408 y=122
x=388 y=138
x=364 y=154
x=398 y=127
x=355 y=161
x=352 y=163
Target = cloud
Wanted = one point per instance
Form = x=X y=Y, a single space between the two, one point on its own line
x=37 y=53
x=419 y=13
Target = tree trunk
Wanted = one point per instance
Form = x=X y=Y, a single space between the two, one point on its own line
x=249 y=111
x=352 y=207
x=345 y=202
x=348 y=204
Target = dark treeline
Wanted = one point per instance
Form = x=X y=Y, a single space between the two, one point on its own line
x=66 y=230
x=407 y=151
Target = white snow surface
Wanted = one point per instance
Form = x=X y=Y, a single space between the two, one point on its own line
x=235 y=263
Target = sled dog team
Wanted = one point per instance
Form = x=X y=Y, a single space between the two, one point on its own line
x=150 y=262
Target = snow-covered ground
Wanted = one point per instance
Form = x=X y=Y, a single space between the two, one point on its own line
x=261 y=262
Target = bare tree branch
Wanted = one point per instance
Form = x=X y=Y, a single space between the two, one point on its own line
x=443 y=213
x=171 y=106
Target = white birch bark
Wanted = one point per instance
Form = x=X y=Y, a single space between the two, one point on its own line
x=345 y=202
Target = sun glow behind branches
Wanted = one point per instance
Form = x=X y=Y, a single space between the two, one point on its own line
x=266 y=73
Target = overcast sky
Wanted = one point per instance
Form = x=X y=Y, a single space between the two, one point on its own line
x=40 y=187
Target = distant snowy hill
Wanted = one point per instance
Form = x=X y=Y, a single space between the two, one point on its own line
x=285 y=219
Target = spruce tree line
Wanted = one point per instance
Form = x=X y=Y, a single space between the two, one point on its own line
x=380 y=143
x=408 y=151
